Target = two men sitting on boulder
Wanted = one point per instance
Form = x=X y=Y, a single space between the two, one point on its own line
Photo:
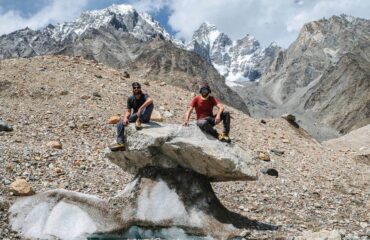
x=206 y=120
x=142 y=106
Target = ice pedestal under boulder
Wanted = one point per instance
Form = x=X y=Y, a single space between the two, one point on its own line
x=170 y=194
x=161 y=200
x=171 y=146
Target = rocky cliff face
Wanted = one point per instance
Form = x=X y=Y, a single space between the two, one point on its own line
x=323 y=76
x=238 y=61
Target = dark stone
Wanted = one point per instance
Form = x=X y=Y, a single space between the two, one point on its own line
x=291 y=119
x=5 y=127
x=98 y=76
x=64 y=92
x=96 y=94
x=263 y=121
x=126 y=74
x=270 y=171
x=277 y=152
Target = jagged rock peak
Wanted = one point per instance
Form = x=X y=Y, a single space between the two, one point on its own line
x=206 y=34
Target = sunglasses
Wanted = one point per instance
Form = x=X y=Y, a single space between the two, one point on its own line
x=204 y=90
x=136 y=88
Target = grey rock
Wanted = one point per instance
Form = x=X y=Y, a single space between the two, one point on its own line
x=277 y=152
x=170 y=145
x=5 y=127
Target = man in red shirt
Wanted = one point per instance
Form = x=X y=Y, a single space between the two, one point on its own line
x=206 y=120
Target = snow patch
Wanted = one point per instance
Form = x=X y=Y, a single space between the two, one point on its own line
x=234 y=79
x=213 y=36
x=222 y=69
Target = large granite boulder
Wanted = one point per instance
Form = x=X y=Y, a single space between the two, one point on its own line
x=173 y=203
x=171 y=146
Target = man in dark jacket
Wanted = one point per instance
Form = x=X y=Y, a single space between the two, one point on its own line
x=142 y=106
x=206 y=120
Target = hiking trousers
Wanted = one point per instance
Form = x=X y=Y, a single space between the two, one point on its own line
x=207 y=124
x=144 y=118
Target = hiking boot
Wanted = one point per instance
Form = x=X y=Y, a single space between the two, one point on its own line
x=117 y=147
x=138 y=124
x=224 y=137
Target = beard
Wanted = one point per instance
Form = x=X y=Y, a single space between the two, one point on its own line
x=136 y=93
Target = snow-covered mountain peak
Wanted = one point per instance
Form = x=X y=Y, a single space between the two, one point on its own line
x=238 y=61
x=206 y=34
x=206 y=26
x=119 y=9
x=122 y=17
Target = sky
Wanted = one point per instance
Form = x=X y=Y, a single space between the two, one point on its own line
x=267 y=20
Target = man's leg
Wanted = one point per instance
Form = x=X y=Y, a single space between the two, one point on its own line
x=225 y=117
x=147 y=113
x=206 y=125
x=224 y=136
x=120 y=132
x=132 y=118
x=121 y=128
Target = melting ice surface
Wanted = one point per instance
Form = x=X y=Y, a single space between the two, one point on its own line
x=64 y=220
x=38 y=217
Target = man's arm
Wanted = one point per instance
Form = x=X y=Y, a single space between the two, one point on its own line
x=145 y=104
x=187 y=116
x=220 y=111
x=126 y=116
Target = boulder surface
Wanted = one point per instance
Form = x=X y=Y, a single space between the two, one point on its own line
x=171 y=146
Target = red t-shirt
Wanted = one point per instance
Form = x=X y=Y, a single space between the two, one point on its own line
x=204 y=108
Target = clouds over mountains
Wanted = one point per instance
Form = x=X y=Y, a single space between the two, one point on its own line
x=267 y=20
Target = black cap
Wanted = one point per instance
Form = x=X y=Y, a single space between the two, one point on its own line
x=136 y=84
